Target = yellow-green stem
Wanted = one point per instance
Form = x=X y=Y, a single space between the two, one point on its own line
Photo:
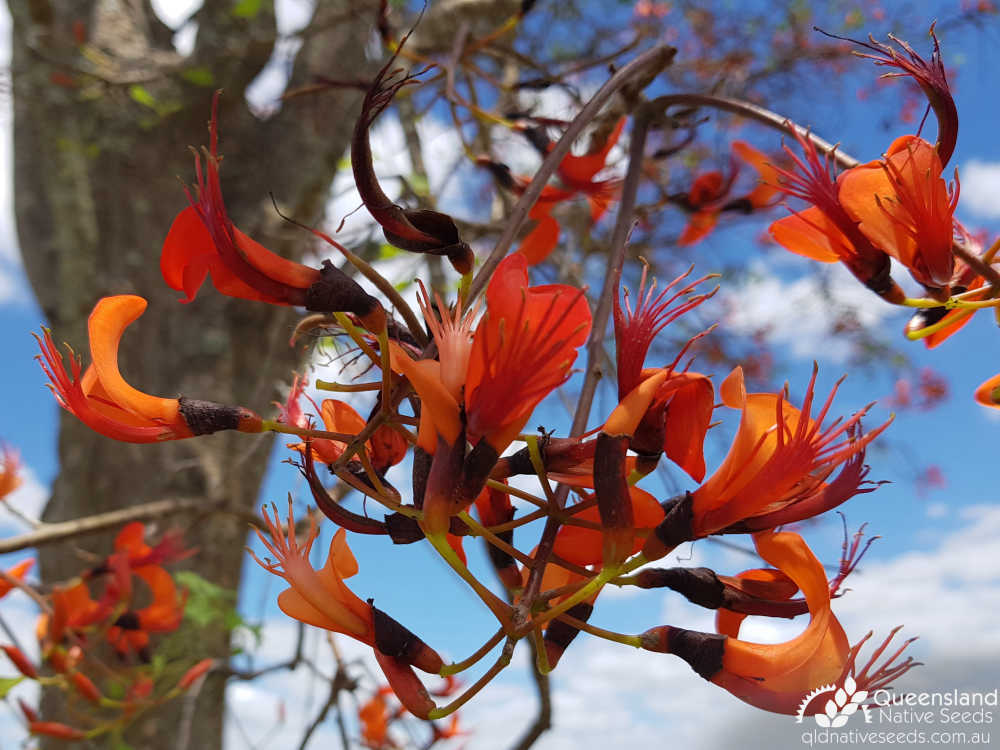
x=461 y=666
x=500 y=609
x=499 y=666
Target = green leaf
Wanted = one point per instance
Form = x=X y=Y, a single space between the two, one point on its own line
x=419 y=184
x=387 y=251
x=210 y=605
x=7 y=684
x=142 y=96
x=246 y=8
x=198 y=76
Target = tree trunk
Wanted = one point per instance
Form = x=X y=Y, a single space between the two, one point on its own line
x=104 y=112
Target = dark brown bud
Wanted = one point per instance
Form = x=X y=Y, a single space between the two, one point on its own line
x=403 y=529
x=128 y=621
x=206 y=417
x=698 y=585
x=395 y=640
x=560 y=634
x=478 y=467
x=331 y=508
x=613 y=499
x=702 y=651
x=335 y=291
x=674 y=529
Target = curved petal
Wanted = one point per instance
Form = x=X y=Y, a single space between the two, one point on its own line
x=440 y=406
x=688 y=416
x=542 y=239
x=574 y=170
x=107 y=323
x=818 y=653
x=811 y=234
x=988 y=394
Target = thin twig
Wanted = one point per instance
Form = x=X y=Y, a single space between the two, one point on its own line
x=51 y=533
x=543 y=720
x=761 y=115
x=656 y=58
x=595 y=345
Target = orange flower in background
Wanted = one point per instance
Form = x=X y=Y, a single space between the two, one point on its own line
x=130 y=631
x=386 y=447
x=576 y=172
x=203 y=241
x=316 y=597
x=710 y=194
x=72 y=609
x=779 y=461
x=17 y=572
x=522 y=350
x=132 y=540
x=10 y=478
x=373 y=717
x=903 y=206
x=988 y=394
x=102 y=400
x=539 y=243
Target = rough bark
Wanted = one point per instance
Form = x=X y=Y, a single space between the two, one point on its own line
x=95 y=191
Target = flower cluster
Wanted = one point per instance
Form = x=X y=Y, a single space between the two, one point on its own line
x=139 y=602
x=459 y=392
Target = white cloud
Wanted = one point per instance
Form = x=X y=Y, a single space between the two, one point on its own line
x=798 y=313
x=981 y=188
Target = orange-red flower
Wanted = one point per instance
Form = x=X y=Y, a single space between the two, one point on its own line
x=10 y=479
x=775 y=677
x=903 y=206
x=711 y=194
x=386 y=447
x=583 y=545
x=988 y=394
x=825 y=231
x=777 y=467
x=317 y=597
x=929 y=75
x=577 y=176
x=373 y=716
x=522 y=350
x=203 y=241
x=17 y=573
x=675 y=419
x=102 y=400
x=130 y=631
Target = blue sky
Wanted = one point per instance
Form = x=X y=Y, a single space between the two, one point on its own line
x=936 y=567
